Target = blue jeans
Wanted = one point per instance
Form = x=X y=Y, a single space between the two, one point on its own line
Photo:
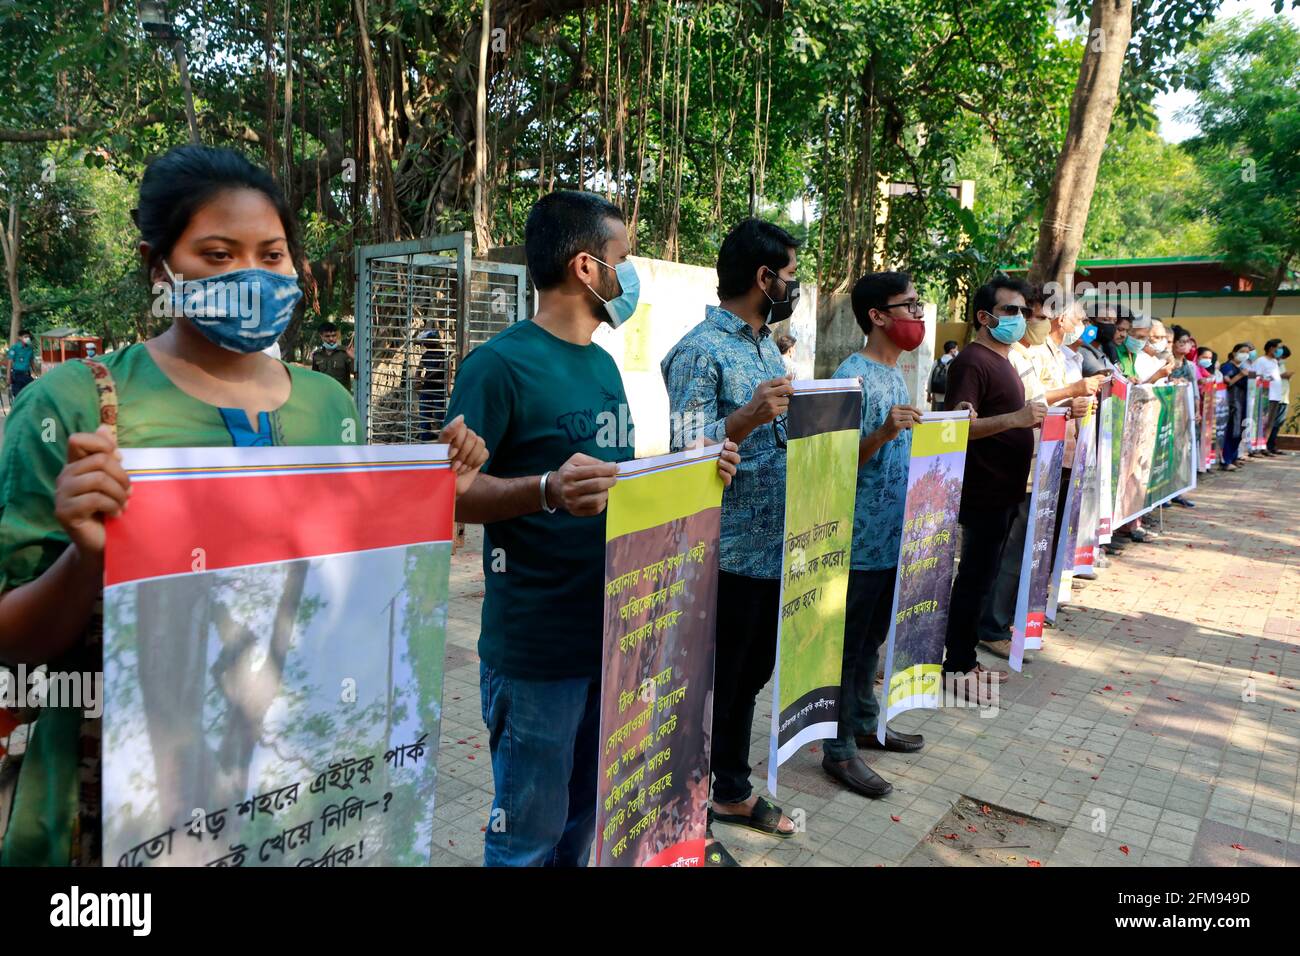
x=543 y=735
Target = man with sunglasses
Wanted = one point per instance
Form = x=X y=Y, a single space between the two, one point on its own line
x=725 y=380
x=1000 y=448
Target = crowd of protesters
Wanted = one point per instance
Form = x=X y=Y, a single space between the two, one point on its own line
x=540 y=491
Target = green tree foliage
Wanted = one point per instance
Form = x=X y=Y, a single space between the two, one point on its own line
x=1248 y=111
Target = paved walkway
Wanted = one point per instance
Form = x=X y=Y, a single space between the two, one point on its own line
x=1157 y=727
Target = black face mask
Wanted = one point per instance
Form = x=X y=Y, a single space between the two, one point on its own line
x=779 y=311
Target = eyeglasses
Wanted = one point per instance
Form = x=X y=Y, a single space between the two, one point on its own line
x=1022 y=310
x=911 y=305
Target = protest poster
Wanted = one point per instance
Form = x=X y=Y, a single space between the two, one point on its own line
x=1085 y=544
x=822 y=432
x=1259 y=414
x=1063 y=561
x=1173 y=456
x=918 y=620
x=1036 y=562
x=1112 y=399
x=1206 y=444
x=1221 y=413
x=273 y=680
x=1141 y=423
x=656 y=715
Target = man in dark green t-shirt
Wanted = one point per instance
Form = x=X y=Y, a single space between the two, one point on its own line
x=550 y=406
x=543 y=397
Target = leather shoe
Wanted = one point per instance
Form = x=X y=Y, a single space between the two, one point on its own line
x=858 y=777
x=894 y=741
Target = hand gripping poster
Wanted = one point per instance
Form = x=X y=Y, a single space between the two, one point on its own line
x=1063 y=561
x=274 y=631
x=1112 y=399
x=822 y=432
x=1036 y=563
x=927 y=553
x=656 y=705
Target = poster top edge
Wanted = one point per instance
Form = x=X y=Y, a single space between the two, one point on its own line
x=678 y=459
x=927 y=417
x=145 y=463
x=806 y=386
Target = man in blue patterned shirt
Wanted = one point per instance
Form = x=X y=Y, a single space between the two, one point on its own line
x=725 y=380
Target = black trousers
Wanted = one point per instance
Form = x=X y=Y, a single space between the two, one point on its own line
x=983 y=537
x=742 y=664
x=999 y=609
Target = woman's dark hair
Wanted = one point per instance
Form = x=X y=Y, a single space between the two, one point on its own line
x=1106 y=340
x=1270 y=345
x=185 y=179
x=873 y=291
x=750 y=244
x=1177 y=332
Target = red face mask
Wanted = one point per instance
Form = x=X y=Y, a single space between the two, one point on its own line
x=907 y=334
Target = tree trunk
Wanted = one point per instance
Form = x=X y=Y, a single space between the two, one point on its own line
x=1277 y=282
x=482 y=238
x=9 y=241
x=387 y=216
x=1060 y=234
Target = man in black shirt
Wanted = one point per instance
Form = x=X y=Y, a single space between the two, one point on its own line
x=1000 y=448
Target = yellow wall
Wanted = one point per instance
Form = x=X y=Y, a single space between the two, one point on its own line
x=1221 y=333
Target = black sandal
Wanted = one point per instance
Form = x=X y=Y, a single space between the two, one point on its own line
x=715 y=854
x=765 y=818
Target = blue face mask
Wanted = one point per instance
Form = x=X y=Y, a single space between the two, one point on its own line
x=1278 y=353
x=1205 y=363
x=244 y=311
x=620 y=308
x=1010 y=328
x=1254 y=354
x=1134 y=345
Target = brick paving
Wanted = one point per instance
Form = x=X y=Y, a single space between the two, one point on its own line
x=1160 y=718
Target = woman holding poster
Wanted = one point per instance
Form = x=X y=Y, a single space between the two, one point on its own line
x=220 y=245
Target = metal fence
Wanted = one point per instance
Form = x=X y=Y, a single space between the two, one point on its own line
x=421 y=306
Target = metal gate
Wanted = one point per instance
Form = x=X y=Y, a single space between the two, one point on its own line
x=421 y=306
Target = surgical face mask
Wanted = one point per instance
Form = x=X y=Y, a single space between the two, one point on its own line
x=1157 y=346
x=90 y=351
x=1278 y=353
x=1204 y=363
x=782 y=309
x=1036 y=331
x=245 y=310
x=1010 y=328
x=1254 y=354
x=330 y=345
x=1134 y=345
x=1073 y=335
x=1242 y=357
x=621 y=308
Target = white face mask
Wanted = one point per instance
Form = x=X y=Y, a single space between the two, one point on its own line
x=1242 y=357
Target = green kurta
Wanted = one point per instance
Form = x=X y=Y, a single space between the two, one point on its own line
x=152 y=412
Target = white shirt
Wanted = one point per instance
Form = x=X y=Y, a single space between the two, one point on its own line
x=1266 y=367
x=1145 y=365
